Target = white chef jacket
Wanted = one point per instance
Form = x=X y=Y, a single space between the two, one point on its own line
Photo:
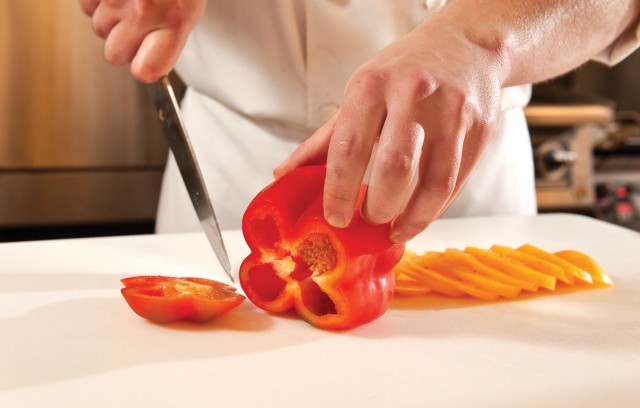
x=263 y=75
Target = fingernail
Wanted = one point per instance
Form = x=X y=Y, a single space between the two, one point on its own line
x=337 y=220
x=401 y=238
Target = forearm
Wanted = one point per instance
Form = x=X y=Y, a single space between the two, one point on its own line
x=535 y=40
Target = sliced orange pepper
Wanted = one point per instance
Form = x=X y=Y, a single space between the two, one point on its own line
x=571 y=271
x=437 y=261
x=433 y=280
x=498 y=272
x=510 y=267
x=407 y=256
x=461 y=259
x=531 y=261
x=588 y=264
x=409 y=287
x=436 y=270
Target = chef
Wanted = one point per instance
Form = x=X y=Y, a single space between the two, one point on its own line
x=423 y=100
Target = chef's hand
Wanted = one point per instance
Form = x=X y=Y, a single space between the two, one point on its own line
x=431 y=101
x=149 y=34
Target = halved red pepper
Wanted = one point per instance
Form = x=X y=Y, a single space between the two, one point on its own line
x=335 y=278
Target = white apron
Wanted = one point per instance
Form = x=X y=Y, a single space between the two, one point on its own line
x=263 y=75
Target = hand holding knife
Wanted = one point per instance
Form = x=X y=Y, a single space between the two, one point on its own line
x=175 y=132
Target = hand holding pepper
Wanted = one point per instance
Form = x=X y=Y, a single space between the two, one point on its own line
x=431 y=107
x=334 y=278
x=431 y=102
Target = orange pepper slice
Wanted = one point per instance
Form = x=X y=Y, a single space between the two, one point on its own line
x=437 y=261
x=510 y=267
x=588 y=264
x=461 y=259
x=532 y=261
x=571 y=271
x=435 y=281
x=437 y=271
x=409 y=287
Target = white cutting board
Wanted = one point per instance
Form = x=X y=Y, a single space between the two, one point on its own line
x=68 y=339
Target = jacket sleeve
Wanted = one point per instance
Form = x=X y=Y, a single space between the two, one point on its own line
x=621 y=47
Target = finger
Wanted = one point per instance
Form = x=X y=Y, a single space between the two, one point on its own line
x=123 y=43
x=157 y=54
x=357 y=127
x=89 y=6
x=437 y=182
x=431 y=194
x=475 y=143
x=104 y=19
x=311 y=151
x=394 y=166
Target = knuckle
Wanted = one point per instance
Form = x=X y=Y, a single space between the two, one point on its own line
x=143 y=12
x=99 y=28
x=336 y=191
x=347 y=148
x=462 y=104
x=115 y=57
x=338 y=196
x=469 y=107
x=368 y=82
x=377 y=214
x=87 y=7
x=148 y=12
x=397 y=164
x=483 y=131
x=343 y=148
x=443 y=185
x=460 y=101
x=419 y=87
x=338 y=201
x=174 y=18
x=99 y=32
x=154 y=8
x=414 y=226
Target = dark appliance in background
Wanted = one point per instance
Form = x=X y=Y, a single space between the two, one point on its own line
x=587 y=154
x=81 y=152
x=562 y=137
x=617 y=176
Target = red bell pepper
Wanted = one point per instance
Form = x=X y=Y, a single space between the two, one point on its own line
x=164 y=299
x=334 y=278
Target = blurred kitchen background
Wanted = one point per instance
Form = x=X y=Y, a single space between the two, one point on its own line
x=81 y=153
x=585 y=132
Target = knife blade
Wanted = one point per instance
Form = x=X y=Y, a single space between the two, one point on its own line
x=165 y=101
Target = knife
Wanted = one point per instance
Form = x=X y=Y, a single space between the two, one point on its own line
x=165 y=101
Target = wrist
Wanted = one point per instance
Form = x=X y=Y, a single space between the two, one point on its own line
x=485 y=46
